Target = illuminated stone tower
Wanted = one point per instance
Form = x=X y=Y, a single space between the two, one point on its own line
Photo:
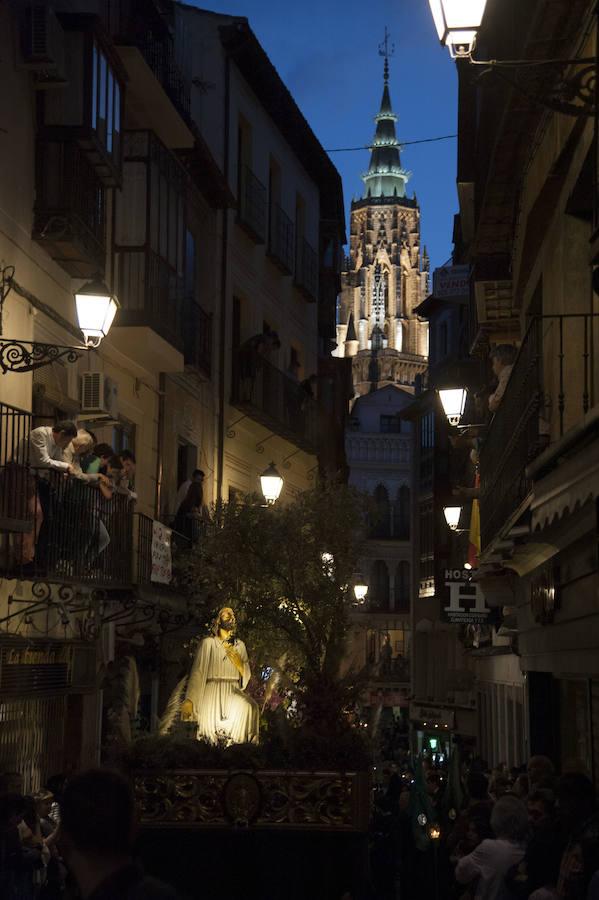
x=385 y=276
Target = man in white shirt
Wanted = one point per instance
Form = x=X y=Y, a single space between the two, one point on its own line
x=46 y=446
x=502 y=363
x=196 y=476
x=46 y=452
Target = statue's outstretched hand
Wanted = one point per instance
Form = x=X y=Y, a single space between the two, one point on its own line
x=187 y=711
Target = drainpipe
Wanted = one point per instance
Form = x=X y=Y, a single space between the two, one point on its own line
x=223 y=298
x=160 y=444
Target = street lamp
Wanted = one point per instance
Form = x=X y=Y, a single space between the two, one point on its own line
x=453 y=401
x=96 y=308
x=271 y=484
x=452 y=516
x=360 y=587
x=457 y=22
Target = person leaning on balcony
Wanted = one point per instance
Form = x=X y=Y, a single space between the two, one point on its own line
x=251 y=354
x=502 y=363
x=46 y=452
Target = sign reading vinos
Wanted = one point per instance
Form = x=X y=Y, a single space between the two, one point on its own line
x=464 y=602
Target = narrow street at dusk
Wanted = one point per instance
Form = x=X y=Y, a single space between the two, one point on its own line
x=299 y=450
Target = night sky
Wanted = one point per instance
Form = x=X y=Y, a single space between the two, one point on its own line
x=326 y=52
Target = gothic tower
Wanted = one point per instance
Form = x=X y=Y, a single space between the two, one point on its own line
x=386 y=276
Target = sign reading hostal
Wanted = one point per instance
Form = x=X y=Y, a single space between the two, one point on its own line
x=463 y=600
x=451 y=281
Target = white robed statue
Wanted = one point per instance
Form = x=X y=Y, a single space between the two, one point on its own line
x=214 y=696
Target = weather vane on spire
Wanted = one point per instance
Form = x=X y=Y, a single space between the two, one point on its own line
x=386 y=49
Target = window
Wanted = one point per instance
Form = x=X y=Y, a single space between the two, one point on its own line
x=379 y=586
x=123 y=437
x=390 y=424
x=381 y=525
x=402 y=587
x=190 y=265
x=105 y=102
x=401 y=514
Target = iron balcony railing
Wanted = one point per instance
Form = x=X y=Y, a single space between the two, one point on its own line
x=144 y=24
x=306 y=269
x=252 y=204
x=150 y=293
x=553 y=383
x=15 y=425
x=69 y=532
x=281 y=238
x=270 y=397
x=197 y=337
x=69 y=212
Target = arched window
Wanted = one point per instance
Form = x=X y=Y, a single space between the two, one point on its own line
x=378 y=592
x=401 y=514
x=381 y=525
x=402 y=587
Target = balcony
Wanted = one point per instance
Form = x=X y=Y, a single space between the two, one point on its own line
x=150 y=293
x=281 y=239
x=553 y=384
x=15 y=425
x=143 y=25
x=306 y=270
x=268 y=396
x=69 y=531
x=197 y=338
x=69 y=213
x=251 y=198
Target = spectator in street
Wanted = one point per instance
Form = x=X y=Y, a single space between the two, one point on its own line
x=502 y=363
x=538 y=872
x=493 y=860
x=11 y=854
x=96 y=839
x=197 y=477
x=479 y=805
x=541 y=773
x=580 y=825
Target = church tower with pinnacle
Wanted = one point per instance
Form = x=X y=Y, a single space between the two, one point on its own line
x=386 y=275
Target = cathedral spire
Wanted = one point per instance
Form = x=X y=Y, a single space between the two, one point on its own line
x=385 y=176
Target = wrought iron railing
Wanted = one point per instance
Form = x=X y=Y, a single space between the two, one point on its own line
x=69 y=213
x=252 y=203
x=281 y=237
x=553 y=383
x=150 y=293
x=69 y=532
x=15 y=425
x=142 y=24
x=198 y=337
x=306 y=269
x=272 y=398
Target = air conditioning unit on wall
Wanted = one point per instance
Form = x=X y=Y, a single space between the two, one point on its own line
x=43 y=46
x=99 y=395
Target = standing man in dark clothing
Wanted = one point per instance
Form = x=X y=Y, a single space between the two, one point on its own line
x=96 y=839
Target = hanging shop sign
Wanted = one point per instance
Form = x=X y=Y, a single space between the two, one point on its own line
x=463 y=600
x=162 y=559
x=451 y=281
x=432 y=716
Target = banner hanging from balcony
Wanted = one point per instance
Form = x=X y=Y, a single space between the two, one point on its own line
x=463 y=602
x=162 y=559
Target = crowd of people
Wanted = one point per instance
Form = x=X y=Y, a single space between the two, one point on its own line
x=72 y=841
x=449 y=833
x=70 y=481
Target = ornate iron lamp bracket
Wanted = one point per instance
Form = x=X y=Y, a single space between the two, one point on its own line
x=25 y=356
x=572 y=90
